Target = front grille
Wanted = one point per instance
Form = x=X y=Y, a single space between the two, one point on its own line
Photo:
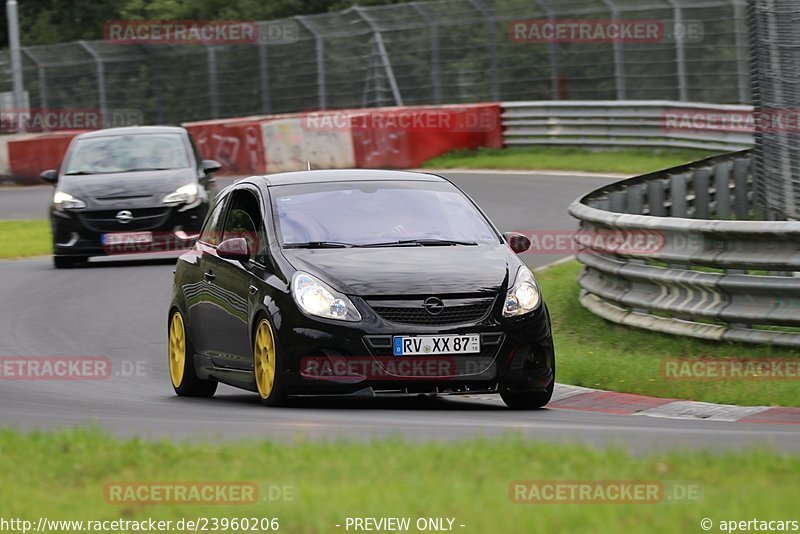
x=106 y=221
x=456 y=311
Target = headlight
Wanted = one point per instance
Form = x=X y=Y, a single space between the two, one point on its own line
x=183 y=195
x=66 y=201
x=317 y=298
x=524 y=296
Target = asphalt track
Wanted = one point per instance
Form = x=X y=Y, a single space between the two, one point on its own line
x=117 y=309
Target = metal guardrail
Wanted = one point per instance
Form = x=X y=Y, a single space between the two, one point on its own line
x=642 y=123
x=716 y=270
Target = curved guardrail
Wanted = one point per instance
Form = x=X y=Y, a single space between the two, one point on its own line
x=691 y=255
x=620 y=123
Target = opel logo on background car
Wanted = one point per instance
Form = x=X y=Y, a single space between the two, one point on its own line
x=124 y=217
x=433 y=305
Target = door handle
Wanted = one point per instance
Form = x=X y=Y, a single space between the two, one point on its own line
x=253 y=290
x=209 y=275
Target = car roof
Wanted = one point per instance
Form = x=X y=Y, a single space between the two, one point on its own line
x=341 y=175
x=132 y=130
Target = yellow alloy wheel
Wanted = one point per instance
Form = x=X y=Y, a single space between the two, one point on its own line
x=264 y=354
x=177 y=349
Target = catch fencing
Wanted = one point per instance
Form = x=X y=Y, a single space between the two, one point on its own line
x=419 y=53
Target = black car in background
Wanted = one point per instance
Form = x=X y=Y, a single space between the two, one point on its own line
x=128 y=190
x=357 y=281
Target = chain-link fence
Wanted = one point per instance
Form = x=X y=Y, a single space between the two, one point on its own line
x=446 y=51
x=776 y=94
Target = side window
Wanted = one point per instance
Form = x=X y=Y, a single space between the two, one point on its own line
x=213 y=227
x=245 y=220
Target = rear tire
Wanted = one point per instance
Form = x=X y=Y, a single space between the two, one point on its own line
x=180 y=356
x=265 y=365
x=68 y=262
x=528 y=400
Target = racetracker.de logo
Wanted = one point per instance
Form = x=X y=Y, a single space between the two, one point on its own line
x=55 y=368
x=358 y=368
x=765 y=120
x=54 y=119
x=729 y=369
x=603 y=492
x=205 y=493
x=181 y=32
x=586 y=31
x=602 y=241
x=448 y=119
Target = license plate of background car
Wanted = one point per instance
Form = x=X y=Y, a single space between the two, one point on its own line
x=127 y=238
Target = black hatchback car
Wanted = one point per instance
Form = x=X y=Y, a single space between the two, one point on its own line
x=357 y=281
x=128 y=190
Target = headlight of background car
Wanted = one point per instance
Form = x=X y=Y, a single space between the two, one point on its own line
x=185 y=194
x=524 y=296
x=66 y=201
x=317 y=298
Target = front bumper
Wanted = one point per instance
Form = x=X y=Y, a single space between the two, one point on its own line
x=80 y=232
x=516 y=355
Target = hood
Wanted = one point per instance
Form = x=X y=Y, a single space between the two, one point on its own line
x=369 y=272
x=126 y=189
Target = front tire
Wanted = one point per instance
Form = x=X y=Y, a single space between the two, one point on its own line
x=265 y=365
x=181 y=363
x=528 y=400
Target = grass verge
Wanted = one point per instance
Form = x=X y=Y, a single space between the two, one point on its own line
x=19 y=239
x=625 y=161
x=62 y=475
x=595 y=353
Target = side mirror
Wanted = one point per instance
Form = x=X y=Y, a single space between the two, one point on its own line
x=50 y=176
x=519 y=243
x=210 y=165
x=235 y=248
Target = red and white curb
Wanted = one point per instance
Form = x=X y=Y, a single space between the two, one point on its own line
x=578 y=398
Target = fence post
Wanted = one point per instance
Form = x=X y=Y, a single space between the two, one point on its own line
x=41 y=73
x=387 y=66
x=263 y=76
x=740 y=35
x=319 y=44
x=677 y=193
x=741 y=168
x=156 y=83
x=436 y=64
x=619 y=58
x=492 y=33
x=101 y=80
x=680 y=54
x=702 y=200
x=552 y=52
x=213 y=92
x=722 y=181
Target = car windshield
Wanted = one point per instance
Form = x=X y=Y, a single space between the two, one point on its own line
x=124 y=153
x=386 y=213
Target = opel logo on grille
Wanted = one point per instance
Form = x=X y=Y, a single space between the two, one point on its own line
x=433 y=305
x=124 y=217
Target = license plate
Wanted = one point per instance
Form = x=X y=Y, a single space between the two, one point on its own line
x=127 y=238
x=451 y=344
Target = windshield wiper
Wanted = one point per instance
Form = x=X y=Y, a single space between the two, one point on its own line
x=79 y=173
x=320 y=244
x=422 y=243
